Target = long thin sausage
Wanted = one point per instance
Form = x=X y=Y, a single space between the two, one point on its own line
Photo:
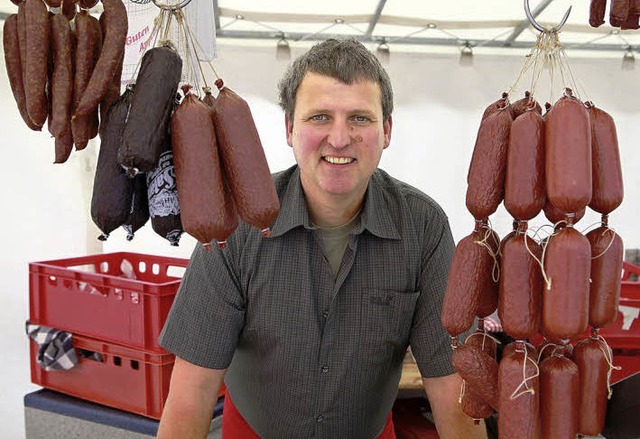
x=62 y=82
x=37 y=52
x=559 y=397
x=592 y=358
x=14 y=67
x=596 y=12
x=110 y=56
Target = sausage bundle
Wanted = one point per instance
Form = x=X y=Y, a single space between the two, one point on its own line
x=207 y=210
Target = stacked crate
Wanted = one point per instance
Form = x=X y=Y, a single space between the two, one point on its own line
x=114 y=314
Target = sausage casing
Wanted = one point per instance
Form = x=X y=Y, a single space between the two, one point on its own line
x=589 y=355
x=559 y=397
x=606 y=266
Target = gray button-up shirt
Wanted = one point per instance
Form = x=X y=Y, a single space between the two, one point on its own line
x=310 y=357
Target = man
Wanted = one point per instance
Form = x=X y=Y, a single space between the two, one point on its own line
x=309 y=326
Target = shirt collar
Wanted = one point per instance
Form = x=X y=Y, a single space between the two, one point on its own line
x=375 y=216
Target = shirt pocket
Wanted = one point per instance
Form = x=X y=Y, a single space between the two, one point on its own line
x=385 y=321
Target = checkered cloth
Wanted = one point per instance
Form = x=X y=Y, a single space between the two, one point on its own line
x=55 y=347
x=492 y=324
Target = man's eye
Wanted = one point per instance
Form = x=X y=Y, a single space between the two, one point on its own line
x=319 y=117
x=360 y=118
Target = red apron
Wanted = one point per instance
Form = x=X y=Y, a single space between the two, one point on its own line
x=235 y=427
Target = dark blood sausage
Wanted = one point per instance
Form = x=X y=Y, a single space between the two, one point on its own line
x=596 y=12
x=110 y=55
x=520 y=302
x=64 y=144
x=37 y=53
x=606 y=266
x=565 y=297
x=479 y=370
x=243 y=160
x=568 y=154
x=473 y=405
x=589 y=355
x=518 y=402
x=559 y=393
x=632 y=22
x=634 y=7
x=62 y=81
x=485 y=189
x=10 y=41
x=86 y=47
x=206 y=209
x=618 y=12
x=153 y=101
x=556 y=215
x=471 y=271
x=497 y=105
x=606 y=169
x=162 y=192
x=139 y=213
x=524 y=192
x=488 y=297
x=112 y=189
x=520 y=106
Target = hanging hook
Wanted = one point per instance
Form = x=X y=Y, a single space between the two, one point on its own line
x=540 y=28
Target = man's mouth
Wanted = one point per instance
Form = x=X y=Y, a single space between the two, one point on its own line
x=338 y=160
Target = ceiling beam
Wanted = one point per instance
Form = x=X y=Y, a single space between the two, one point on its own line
x=299 y=36
x=525 y=23
x=376 y=16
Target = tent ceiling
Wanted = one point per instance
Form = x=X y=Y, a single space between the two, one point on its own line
x=411 y=25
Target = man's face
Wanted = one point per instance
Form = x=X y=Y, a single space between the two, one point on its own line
x=337 y=135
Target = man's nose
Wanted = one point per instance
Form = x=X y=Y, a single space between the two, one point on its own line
x=340 y=134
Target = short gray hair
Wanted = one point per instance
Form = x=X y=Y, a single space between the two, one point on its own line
x=348 y=61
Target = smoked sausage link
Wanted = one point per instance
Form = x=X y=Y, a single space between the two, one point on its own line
x=494 y=107
x=520 y=106
x=520 y=304
x=593 y=366
x=485 y=179
x=606 y=266
x=518 y=411
x=13 y=63
x=565 y=297
x=568 y=155
x=153 y=101
x=37 y=53
x=524 y=192
x=243 y=160
x=110 y=55
x=596 y=12
x=618 y=12
x=62 y=81
x=559 y=397
x=470 y=272
x=473 y=405
x=479 y=370
x=489 y=290
x=607 y=193
x=207 y=210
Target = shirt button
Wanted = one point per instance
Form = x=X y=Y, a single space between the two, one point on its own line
x=325 y=369
x=320 y=418
x=325 y=314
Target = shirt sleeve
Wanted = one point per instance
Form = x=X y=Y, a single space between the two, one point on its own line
x=430 y=343
x=208 y=311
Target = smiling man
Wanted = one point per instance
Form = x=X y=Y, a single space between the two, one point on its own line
x=309 y=327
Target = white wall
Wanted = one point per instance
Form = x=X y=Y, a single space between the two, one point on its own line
x=438 y=108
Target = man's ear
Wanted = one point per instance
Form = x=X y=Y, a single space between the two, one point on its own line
x=387 y=125
x=289 y=127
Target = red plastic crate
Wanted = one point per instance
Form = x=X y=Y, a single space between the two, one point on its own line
x=126 y=379
x=624 y=333
x=89 y=296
